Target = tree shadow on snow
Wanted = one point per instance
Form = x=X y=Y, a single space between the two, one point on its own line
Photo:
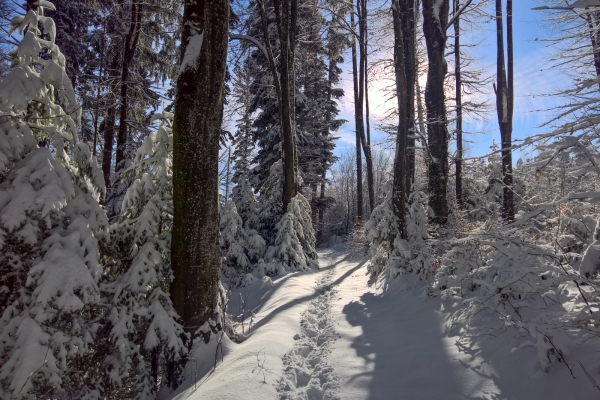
x=403 y=350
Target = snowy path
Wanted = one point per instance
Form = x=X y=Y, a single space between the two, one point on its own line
x=332 y=334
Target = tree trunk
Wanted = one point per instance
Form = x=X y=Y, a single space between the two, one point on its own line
x=504 y=106
x=435 y=18
x=288 y=91
x=361 y=8
x=196 y=129
x=400 y=194
x=358 y=112
x=284 y=79
x=408 y=10
x=128 y=54
x=109 y=122
x=459 y=118
x=422 y=125
x=592 y=26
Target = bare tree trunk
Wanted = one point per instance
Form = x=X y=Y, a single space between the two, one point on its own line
x=459 y=117
x=362 y=89
x=422 y=125
x=286 y=16
x=359 y=126
x=408 y=10
x=400 y=194
x=128 y=54
x=196 y=130
x=593 y=37
x=504 y=106
x=227 y=177
x=109 y=122
x=435 y=18
x=100 y=75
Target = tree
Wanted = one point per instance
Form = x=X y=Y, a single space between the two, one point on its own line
x=435 y=20
x=405 y=74
x=505 y=105
x=196 y=132
x=459 y=112
x=143 y=323
x=285 y=85
x=358 y=118
x=50 y=223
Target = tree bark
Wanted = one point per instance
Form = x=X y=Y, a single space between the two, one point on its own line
x=408 y=10
x=504 y=106
x=358 y=112
x=129 y=49
x=459 y=116
x=435 y=19
x=400 y=194
x=361 y=8
x=109 y=120
x=196 y=129
x=286 y=16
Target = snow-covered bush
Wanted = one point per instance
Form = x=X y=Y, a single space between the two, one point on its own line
x=496 y=282
x=50 y=223
x=294 y=245
x=389 y=251
x=144 y=327
x=270 y=208
x=246 y=204
x=241 y=248
x=381 y=230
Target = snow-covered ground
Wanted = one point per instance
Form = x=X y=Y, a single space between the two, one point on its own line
x=336 y=334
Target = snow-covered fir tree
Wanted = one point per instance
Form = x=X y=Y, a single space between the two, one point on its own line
x=294 y=246
x=148 y=338
x=241 y=247
x=50 y=223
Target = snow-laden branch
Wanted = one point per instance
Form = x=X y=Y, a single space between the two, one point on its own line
x=577 y=4
x=457 y=14
x=254 y=41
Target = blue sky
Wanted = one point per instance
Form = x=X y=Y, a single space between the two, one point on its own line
x=533 y=79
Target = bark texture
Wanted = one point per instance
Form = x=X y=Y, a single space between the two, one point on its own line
x=358 y=118
x=196 y=130
x=361 y=9
x=504 y=106
x=435 y=19
x=400 y=193
x=286 y=14
x=459 y=114
x=129 y=48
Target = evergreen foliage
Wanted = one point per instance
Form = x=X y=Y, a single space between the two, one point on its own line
x=50 y=223
x=143 y=324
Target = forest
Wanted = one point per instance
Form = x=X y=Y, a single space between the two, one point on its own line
x=299 y=199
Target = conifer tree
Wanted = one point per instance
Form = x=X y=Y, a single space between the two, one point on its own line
x=50 y=222
x=143 y=322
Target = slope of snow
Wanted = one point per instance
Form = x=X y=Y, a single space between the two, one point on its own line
x=336 y=334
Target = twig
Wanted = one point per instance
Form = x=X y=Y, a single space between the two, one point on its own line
x=588 y=375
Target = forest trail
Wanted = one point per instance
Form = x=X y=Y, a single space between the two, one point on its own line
x=336 y=334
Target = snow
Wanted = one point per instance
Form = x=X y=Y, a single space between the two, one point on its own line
x=338 y=333
x=192 y=51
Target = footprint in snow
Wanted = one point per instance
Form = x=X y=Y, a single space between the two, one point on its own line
x=307 y=376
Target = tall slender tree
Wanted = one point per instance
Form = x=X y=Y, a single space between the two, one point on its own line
x=399 y=191
x=435 y=20
x=361 y=11
x=196 y=129
x=459 y=111
x=505 y=105
x=358 y=121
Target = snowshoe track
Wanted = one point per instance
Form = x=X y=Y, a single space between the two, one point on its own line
x=307 y=376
